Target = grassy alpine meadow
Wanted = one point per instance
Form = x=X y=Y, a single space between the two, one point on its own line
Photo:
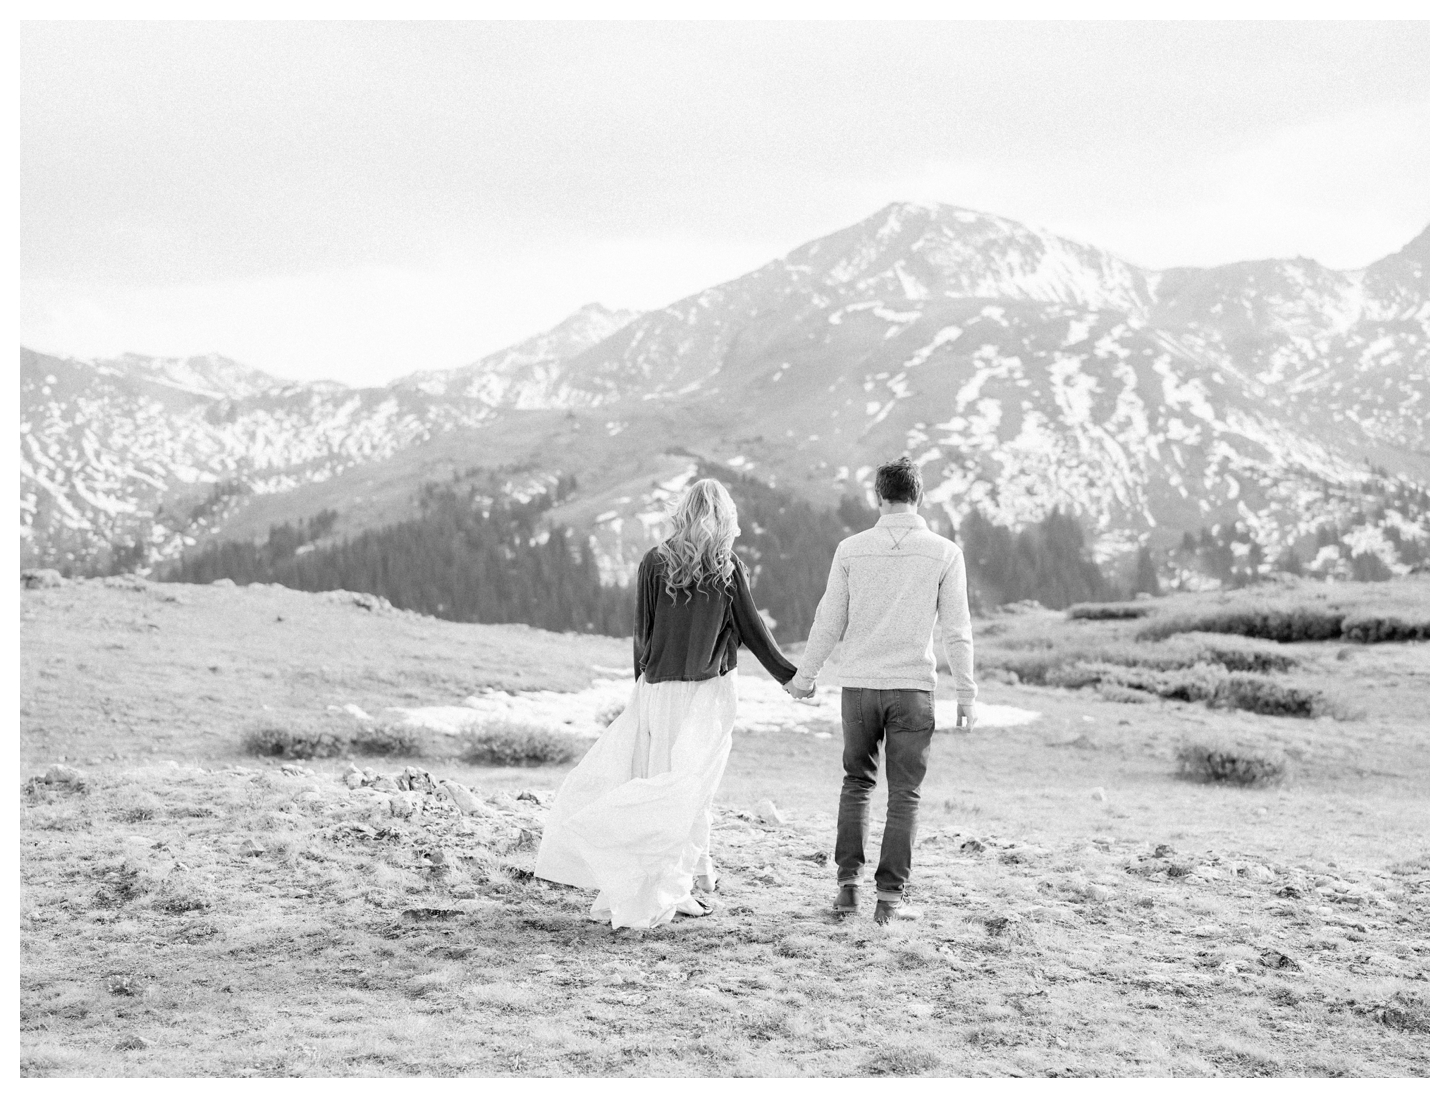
x=1208 y=856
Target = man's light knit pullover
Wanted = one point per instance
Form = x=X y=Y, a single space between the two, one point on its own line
x=888 y=586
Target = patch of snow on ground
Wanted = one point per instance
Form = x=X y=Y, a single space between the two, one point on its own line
x=762 y=706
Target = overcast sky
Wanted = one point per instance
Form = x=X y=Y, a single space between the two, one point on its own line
x=361 y=200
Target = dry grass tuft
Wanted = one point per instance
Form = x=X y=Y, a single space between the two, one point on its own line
x=1108 y=611
x=900 y=1061
x=296 y=738
x=1234 y=763
x=393 y=740
x=510 y=744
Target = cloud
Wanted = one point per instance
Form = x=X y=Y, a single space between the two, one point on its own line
x=368 y=325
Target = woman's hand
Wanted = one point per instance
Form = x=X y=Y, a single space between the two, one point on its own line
x=801 y=688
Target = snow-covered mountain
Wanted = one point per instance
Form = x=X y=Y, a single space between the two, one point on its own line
x=524 y=375
x=1024 y=371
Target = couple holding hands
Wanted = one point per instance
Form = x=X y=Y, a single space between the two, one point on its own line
x=632 y=819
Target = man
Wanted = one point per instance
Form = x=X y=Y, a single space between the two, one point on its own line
x=887 y=588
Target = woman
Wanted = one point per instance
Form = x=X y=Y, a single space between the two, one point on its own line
x=633 y=818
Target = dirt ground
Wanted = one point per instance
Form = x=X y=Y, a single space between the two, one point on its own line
x=1077 y=908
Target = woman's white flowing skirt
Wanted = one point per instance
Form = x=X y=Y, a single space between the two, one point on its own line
x=633 y=818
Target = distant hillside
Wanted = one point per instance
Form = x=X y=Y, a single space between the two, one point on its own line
x=1026 y=372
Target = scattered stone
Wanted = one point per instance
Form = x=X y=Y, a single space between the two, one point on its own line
x=463 y=892
x=252 y=849
x=416 y=779
x=1207 y=872
x=33 y=578
x=353 y=777
x=1163 y=850
x=973 y=846
x=125 y=983
x=62 y=775
x=402 y=807
x=1099 y=794
x=1256 y=872
x=1178 y=870
x=1098 y=893
x=133 y=1042
x=525 y=838
x=223 y=582
x=369 y=602
x=997 y=925
x=768 y=813
x=1289 y=892
x=920 y=1010
x=477 y=907
x=1273 y=958
x=464 y=798
x=529 y=795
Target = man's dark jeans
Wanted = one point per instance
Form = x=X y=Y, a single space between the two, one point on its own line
x=904 y=720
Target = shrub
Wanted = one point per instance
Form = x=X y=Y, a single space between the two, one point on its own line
x=388 y=739
x=1075 y=676
x=1236 y=763
x=901 y=1061
x=1253 y=656
x=1031 y=667
x=609 y=711
x=510 y=744
x=1379 y=629
x=1282 y=624
x=1117 y=692
x=295 y=740
x=1261 y=695
x=1108 y=611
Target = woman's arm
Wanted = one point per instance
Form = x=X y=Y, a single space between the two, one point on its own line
x=753 y=632
x=644 y=615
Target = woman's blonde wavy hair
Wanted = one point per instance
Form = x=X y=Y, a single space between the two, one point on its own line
x=703 y=527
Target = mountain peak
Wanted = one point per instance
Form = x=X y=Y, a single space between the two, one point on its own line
x=927 y=251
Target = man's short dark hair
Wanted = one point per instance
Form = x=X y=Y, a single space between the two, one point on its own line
x=899 y=481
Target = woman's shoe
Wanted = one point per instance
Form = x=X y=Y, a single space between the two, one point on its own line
x=693 y=907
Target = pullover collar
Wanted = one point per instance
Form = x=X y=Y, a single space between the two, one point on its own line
x=902 y=519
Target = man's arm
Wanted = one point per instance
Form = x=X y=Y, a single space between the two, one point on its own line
x=956 y=631
x=827 y=629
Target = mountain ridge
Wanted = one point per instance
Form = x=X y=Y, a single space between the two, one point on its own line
x=1024 y=371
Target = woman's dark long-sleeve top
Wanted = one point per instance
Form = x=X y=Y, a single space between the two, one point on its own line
x=690 y=639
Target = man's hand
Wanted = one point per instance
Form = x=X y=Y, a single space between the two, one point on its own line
x=800 y=688
x=966 y=716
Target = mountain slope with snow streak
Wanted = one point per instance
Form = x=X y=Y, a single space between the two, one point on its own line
x=1025 y=371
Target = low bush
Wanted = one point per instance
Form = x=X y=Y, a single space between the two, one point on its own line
x=396 y=740
x=1235 y=763
x=287 y=739
x=1247 y=655
x=608 y=712
x=1282 y=624
x=1075 y=676
x=1117 y=692
x=510 y=744
x=1108 y=611
x=1032 y=667
x=1258 y=694
x=1383 y=628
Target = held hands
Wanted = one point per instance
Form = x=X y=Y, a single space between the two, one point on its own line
x=966 y=716
x=800 y=689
